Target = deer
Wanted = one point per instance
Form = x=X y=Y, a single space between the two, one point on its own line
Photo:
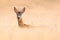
x=19 y=17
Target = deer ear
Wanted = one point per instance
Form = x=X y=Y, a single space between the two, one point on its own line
x=23 y=10
x=15 y=9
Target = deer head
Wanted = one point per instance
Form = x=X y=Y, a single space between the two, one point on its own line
x=19 y=12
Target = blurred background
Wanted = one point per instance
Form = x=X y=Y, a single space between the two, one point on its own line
x=42 y=13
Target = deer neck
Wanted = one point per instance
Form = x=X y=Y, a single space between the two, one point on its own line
x=20 y=22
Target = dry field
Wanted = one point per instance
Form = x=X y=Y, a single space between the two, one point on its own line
x=44 y=15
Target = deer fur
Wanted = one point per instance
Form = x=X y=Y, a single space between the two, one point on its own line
x=19 y=15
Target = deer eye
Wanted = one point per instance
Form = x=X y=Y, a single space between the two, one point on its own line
x=19 y=12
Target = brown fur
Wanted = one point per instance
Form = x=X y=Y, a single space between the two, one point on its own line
x=20 y=22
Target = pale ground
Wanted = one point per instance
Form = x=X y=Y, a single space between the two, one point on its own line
x=44 y=15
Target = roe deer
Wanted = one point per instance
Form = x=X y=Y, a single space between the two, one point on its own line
x=19 y=14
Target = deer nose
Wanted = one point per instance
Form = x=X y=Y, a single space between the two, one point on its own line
x=18 y=17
